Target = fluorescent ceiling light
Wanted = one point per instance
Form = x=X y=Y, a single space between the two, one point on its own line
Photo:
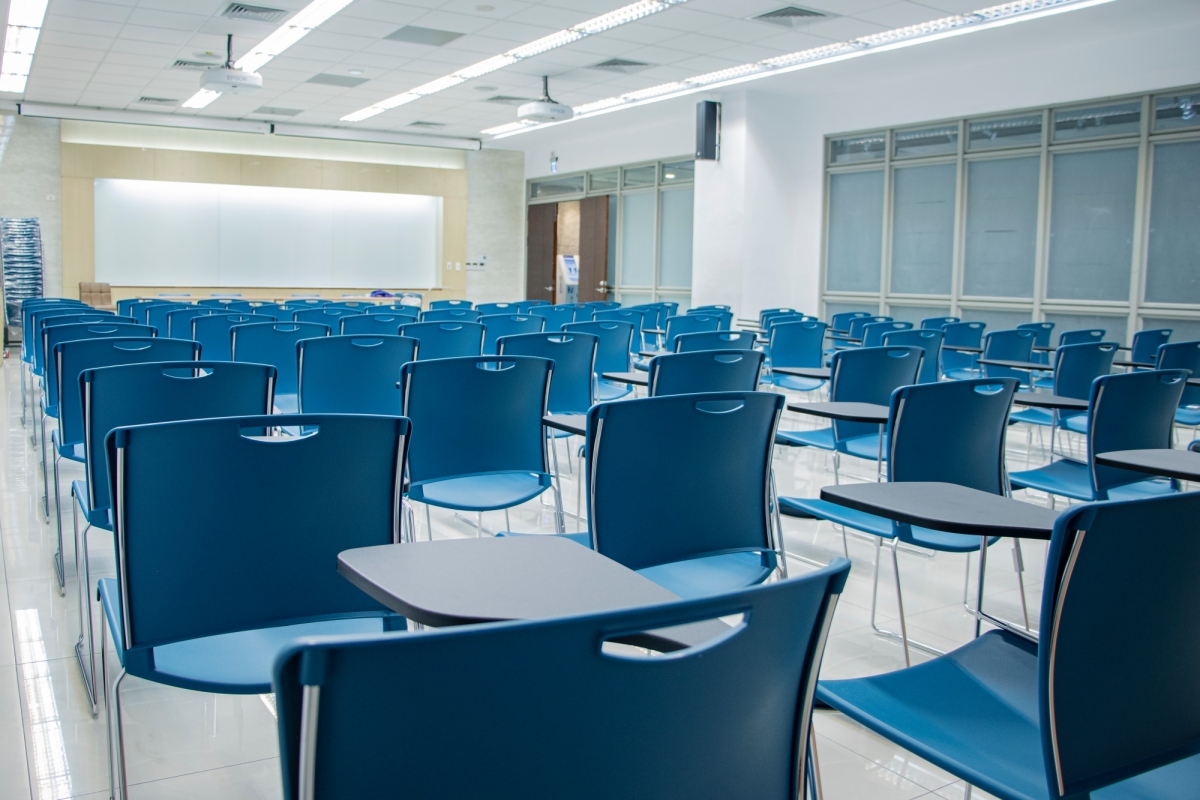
x=305 y=22
x=896 y=38
x=604 y=22
x=20 y=40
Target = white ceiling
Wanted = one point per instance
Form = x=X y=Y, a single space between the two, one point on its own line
x=109 y=54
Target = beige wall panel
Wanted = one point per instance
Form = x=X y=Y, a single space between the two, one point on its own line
x=180 y=165
x=94 y=161
x=448 y=183
x=568 y=228
x=349 y=177
x=411 y=180
x=78 y=234
x=291 y=173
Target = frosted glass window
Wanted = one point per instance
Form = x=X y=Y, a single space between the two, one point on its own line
x=855 y=242
x=923 y=229
x=640 y=176
x=997 y=319
x=675 y=241
x=942 y=140
x=637 y=239
x=1113 y=326
x=555 y=187
x=1071 y=124
x=1172 y=269
x=1176 y=112
x=679 y=171
x=1182 y=330
x=1091 y=224
x=634 y=298
x=1002 y=209
x=872 y=147
x=989 y=134
x=603 y=181
x=915 y=314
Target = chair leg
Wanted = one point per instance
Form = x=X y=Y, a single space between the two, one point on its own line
x=818 y=792
x=900 y=605
x=112 y=787
x=60 y=558
x=845 y=542
x=122 y=777
x=555 y=483
x=428 y=522
x=1019 y=568
x=507 y=524
x=579 y=498
x=478 y=524
x=45 y=476
x=86 y=633
x=22 y=394
x=903 y=635
x=837 y=461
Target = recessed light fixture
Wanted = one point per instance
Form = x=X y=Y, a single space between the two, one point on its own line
x=983 y=19
x=355 y=71
x=604 y=22
x=24 y=26
x=485 y=88
x=485 y=9
x=669 y=176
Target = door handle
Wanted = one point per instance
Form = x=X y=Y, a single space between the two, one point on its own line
x=548 y=288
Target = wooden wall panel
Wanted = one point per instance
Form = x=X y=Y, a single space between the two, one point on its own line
x=593 y=249
x=290 y=173
x=178 y=165
x=541 y=235
x=78 y=240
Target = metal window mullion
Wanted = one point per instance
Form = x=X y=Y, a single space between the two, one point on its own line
x=1141 y=219
x=657 y=233
x=618 y=260
x=958 y=257
x=824 y=265
x=1041 y=253
x=885 y=256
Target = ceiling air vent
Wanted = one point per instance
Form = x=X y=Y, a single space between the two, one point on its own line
x=621 y=65
x=423 y=124
x=276 y=111
x=185 y=64
x=158 y=101
x=254 y=13
x=792 y=16
x=509 y=100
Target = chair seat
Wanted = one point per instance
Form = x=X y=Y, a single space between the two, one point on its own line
x=821 y=438
x=1033 y=416
x=963 y=374
x=230 y=663
x=794 y=383
x=1073 y=479
x=1077 y=423
x=488 y=491
x=945 y=542
x=707 y=575
x=584 y=538
x=287 y=403
x=97 y=518
x=1043 y=383
x=71 y=452
x=607 y=390
x=838 y=514
x=864 y=447
x=1188 y=416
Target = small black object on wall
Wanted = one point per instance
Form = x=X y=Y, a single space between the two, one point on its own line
x=708 y=130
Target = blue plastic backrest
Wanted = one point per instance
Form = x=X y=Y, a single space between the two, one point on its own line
x=937 y=323
x=873 y=332
x=352 y=374
x=1077 y=365
x=274 y=343
x=28 y=307
x=710 y=307
x=929 y=340
x=450 y=304
x=716 y=446
x=694 y=323
x=634 y=316
x=556 y=316
x=498 y=325
x=309 y=300
x=42 y=321
x=167 y=389
x=841 y=321
x=1146 y=343
x=776 y=317
x=450 y=315
x=1010 y=345
x=796 y=344
x=371 y=324
x=252 y=525
x=487 y=309
x=762 y=315
x=35 y=320
x=523 y=306
x=478 y=414
x=276 y=311
x=614 y=337
x=584 y=312
x=325 y=315
x=212 y=332
x=73 y=357
x=156 y=315
x=125 y=307
x=446 y=339
x=715 y=340
x=141 y=311
x=869 y=375
x=215 y=302
x=701 y=371
x=361 y=306
x=395 y=309
x=1119 y=572
x=54 y=335
x=563 y=716
x=574 y=357
x=1041 y=330
x=179 y=321
x=1182 y=355
x=603 y=305
x=961 y=334
x=1081 y=336
x=858 y=323
x=725 y=318
x=1130 y=411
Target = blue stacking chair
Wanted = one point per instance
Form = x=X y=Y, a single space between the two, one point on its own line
x=29 y=339
x=769 y=320
x=556 y=316
x=446 y=339
x=956 y=365
x=450 y=315
x=724 y=317
x=133 y=391
x=274 y=343
x=1010 y=345
x=1076 y=366
x=217 y=302
x=141 y=311
x=352 y=374
x=498 y=325
x=840 y=322
x=603 y=305
x=1062 y=718
x=395 y=309
x=479 y=444
x=56 y=317
x=563 y=716
x=762 y=315
x=450 y=304
x=156 y=315
x=715 y=340
x=1042 y=331
x=488 y=309
x=683 y=324
x=946 y=432
x=1184 y=355
x=361 y=306
x=249 y=306
x=125 y=306
x=212 y=332
x=179 y=321
x=1144 y=349
x=795 y=344
x=937 y=323
x=276 y=311
x=701 y=371
x=574 y=357
x=583 y=311
x=194 y=604
x=710 y=307
x=873 y=332
x=634 y=316
x=692 y=547
x=612 y=353
x=310 y=300
x=1133 y=411
x=655 y=317
x=859 y=323
x=927 y=339
x=326 y=315
x=1082 y=336
x=372 y=324
x=523 y=306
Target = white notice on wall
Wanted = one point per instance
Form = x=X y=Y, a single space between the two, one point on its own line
x=164 y=233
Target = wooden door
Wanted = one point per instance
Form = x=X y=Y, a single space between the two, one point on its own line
x=593 y=249
x=541 y=242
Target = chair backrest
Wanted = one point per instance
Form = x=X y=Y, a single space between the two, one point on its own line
x=1081 y=336
x=212 y=332
x=710 y=307
x=796 y=344
x=156 y=315
x=31 y=306
x=960 y=334
x=701 y=371
x=715 y=340
x=776 y=317
x=310 y=300
x=937 y=323
x=450 y=304
x=352 y=374
x=1130 y=411
x=574 y=357
x=395 y=309
x=563 y=716
x=655 y=314
x=372 y=324
x=273 y=343
x=1077 y=365
x=762 y=315
x=216 y=302
x=614 y=338
x=74 y=357
x=1119 y=572
x=42 y=321
x=476 y=415
x=446 y=339
x=296 y=505
x=523 y=306
x=603 y=305
x=360 y=306
x=869 y=375
x=1042 y=331
x=584 y=312
x=929 y=340
x=276 y=311
x=248 y=306
x=1146 y=343
x=858 y=323
x=1010 y=345
x=450 y=315
x=873 y=332
x=634 y=316
x=1182 y=355
x=126 y=305
x=169 y=389
x=142 y=310
x=686 y=323
x=556 y=316
x=95 y=293
x=488 y=309
x=841 y=321
x=724 y=317
x=498 y=325
x=54 y=335
x=326 y=315
x=718 y=447
x=179 y=321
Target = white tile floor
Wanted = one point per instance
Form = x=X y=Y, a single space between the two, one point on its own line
x=185 y=744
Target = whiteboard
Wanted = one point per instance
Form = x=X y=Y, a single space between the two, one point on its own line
x=166 y=233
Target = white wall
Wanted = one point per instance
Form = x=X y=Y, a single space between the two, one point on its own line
x=495 y=225
x=31 y=186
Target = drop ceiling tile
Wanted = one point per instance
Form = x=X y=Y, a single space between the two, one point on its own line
x=742 y=8
x=742 y=30
x=558 y=18
x=79 y=40
x=898 y=15
x=53 y=96
x=135 y=59
x=54 y=52
x=844 y=28
x=697 y=43
x=84 y=9
x=955 y=6
x=337 y=41
x=519 y=31
x=77 y=25
x=42 y=83
x=748 y=53
x=680 y=18
x=481 y=47
x=794 y=42
x=501 y=9
x=635 y=32
x=658 y=55
x=206 y=7
x=168 y=20
x=141 y=33
x=164 y=50
x=382 y=12
x=457 y=23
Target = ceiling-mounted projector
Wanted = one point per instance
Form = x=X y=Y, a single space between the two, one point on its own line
x=544 y=109
x=228 y=80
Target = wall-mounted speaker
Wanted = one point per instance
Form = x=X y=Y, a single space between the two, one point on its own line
x=708 y=130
